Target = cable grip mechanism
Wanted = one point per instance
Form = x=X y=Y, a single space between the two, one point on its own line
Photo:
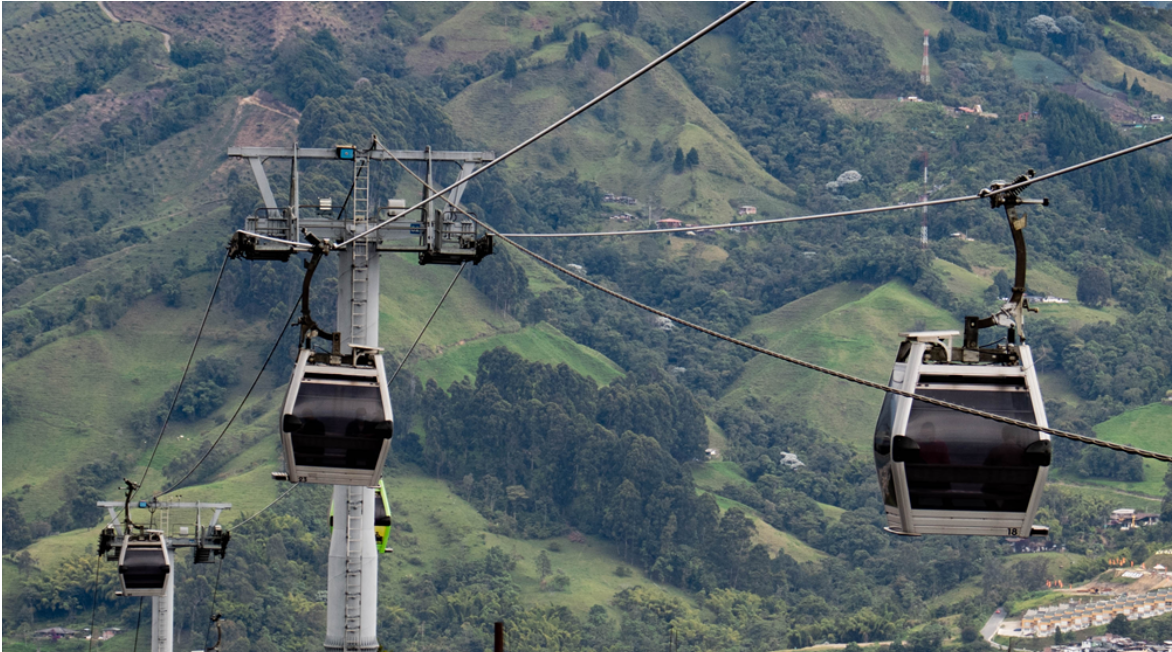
x=1012 y=311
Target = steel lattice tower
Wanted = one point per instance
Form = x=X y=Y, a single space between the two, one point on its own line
x=925 y=77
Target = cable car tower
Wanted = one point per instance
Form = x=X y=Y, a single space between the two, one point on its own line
x=336 y=422
x=145 y=552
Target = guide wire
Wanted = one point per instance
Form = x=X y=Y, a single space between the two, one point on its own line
x=137 y=625
x=94 y=603
x=736 y=225
x=1075 y=436
x=215 y=596
x=186 y=369
x=983 y=194
x=424 y=329
x=280 y=336
x=570 y=116
x=300 y=246
x=1077 y=166
x=236 y=528
x=1130 y=450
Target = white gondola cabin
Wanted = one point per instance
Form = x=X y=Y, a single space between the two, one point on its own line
x=144 y=565
x=946 y=472
x=336 y=424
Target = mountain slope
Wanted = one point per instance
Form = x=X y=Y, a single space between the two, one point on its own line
x=611 y=145
x=844 y=327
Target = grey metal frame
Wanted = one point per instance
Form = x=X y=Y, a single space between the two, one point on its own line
x=903 y=519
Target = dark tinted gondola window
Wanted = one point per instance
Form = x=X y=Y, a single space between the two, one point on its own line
x=338 y=425
x=969 y=463
x=883 y=449
x=144 y=568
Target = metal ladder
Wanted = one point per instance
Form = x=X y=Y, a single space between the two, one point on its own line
x=359 y=270
x=353 y=636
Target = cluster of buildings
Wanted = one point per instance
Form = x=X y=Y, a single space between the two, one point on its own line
x=1023 y=546
x=1074 y=616
x=611 y=198
x=1113 y=643
x=1126 y=519
x=1039 y=298
x=56 y=633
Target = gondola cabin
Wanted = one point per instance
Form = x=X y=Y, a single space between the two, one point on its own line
x=946 y=472
x=144 y=565
x=382 y=518
x=336 y=424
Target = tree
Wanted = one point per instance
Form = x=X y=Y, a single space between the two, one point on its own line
x=1094 y=286
x=1119 y=626
x=1004 y=285
x=693 y=158
x=625 y=14
x=510 y=68
x=677 y=165
x=603 y=59
x=544 y=567
x=656 y=152
x=537 y=42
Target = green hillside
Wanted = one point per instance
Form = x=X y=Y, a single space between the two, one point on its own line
x=611 y=146
x=119 y=200
x=1148 y=427
x=844 y=327
x=539 y=343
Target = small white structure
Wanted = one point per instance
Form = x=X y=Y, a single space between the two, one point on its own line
x=790 y=460
x=663 y=323
x=1156 y=117
x=577 y=269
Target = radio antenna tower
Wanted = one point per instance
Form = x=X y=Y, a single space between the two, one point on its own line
x=924 y=198
x=925 y=78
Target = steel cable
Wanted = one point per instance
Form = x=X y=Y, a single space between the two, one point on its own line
x=424 y=329
x=736 y=225
x=183 y=378
x=1131 y=450
x=235 y=414
x=983 y=194
x=570 y=116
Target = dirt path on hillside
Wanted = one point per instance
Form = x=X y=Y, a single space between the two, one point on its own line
x=109 y=14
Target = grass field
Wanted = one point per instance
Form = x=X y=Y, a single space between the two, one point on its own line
x=838 y=328
x=713 y=476
x=539 y=343
x=443 y=525
x=1146 y=427
x=1036 y=68
x=772 y=538
x=409 y=294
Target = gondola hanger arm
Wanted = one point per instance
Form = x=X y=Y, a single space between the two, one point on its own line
x=1007 y=195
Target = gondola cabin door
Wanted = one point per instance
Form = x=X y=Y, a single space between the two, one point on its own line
x=946 y=472
x=336 y=424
